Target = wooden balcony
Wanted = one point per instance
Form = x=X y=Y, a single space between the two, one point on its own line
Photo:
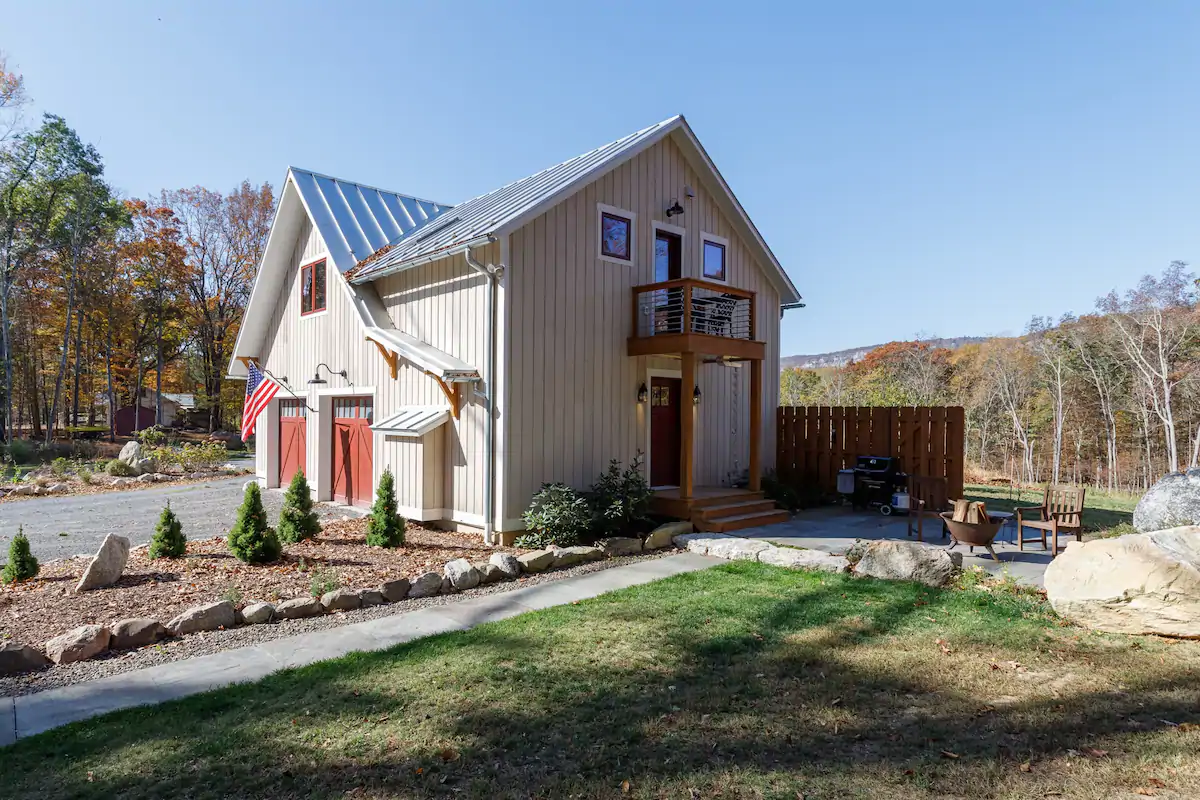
x=694 y=316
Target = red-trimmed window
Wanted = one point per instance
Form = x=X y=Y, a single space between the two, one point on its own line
x=312 y=287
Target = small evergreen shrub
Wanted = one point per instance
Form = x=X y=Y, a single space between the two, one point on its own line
x=85 y=476
x=21 y=451
x=297 y=520
x=118 y=469
x=250 y=539
x=21 y=564
x=557 y=515
x=620 y=498
x=59 y=466
x=385 y=527
x=168 y=540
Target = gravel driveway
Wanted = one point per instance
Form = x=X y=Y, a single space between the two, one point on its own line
x=205 y=509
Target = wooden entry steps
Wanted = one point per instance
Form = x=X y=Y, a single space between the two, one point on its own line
x=719 y=509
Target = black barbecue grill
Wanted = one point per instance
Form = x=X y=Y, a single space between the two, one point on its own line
x=876 y=479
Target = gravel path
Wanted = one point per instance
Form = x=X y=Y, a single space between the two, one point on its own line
x=202 y=644
x=206 y=509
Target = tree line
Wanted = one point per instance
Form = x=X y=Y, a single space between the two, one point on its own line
x=104 y=299
x=1110 y=398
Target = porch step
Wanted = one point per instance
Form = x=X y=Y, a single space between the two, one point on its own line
x=737 y=509
x=738 y=496
x=740 y=521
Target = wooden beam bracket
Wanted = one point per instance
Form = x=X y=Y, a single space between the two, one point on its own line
x=391 y=358
x=453 y=393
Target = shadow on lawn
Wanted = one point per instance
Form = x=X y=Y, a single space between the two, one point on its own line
x=778 y=702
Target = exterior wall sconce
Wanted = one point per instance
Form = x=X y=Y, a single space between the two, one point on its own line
x=643 y=393
x=317 y=379
x=696 y=396
x=674 y=210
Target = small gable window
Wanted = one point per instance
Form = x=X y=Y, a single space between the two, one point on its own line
x=617 y=234
x=312 y=287
x=714 y=260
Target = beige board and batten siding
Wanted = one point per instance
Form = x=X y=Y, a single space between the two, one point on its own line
x=439 y=303
x=573 y=389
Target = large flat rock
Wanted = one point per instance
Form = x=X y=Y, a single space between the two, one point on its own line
x=908 y=561
x=1172 y=502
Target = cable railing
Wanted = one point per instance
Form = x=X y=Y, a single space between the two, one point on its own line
x=692 y=306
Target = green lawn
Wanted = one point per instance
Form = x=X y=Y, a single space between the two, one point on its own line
x=740 y=681
x=1104 y=513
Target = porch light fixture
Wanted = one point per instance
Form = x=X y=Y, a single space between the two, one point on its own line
x=643 y=393
x=675 y=209
x=317 y=379
x=696 y=396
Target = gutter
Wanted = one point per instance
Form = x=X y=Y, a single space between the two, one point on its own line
x=789 y=307
x=493 y=274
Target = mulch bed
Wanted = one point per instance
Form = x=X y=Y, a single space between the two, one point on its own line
x=37 y=610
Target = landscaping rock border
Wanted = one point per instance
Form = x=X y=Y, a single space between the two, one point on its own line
x=457 y=575
x=737 y=548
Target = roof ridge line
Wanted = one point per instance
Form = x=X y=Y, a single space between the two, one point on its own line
x=369 y=186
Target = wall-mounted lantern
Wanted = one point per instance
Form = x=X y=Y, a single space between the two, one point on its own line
x=643 y=393
x=317 y=379
x=696 y=396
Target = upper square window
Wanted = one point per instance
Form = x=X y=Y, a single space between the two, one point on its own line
x=312 y=287
x=714 y=260
x=616 y=236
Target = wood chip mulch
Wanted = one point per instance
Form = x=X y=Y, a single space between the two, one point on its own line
x=39 y=609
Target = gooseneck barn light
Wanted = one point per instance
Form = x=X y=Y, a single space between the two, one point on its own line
x=317 y=379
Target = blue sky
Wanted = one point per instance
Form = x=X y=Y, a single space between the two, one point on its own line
x=943 y=168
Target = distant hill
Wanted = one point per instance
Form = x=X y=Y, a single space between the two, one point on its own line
x=841 y=357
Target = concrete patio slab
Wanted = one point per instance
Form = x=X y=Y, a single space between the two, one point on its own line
x=834 y=530
x=32 y=714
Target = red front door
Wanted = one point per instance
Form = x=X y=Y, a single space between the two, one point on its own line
x=664 y=431
x=293 y=433
x=352 y=467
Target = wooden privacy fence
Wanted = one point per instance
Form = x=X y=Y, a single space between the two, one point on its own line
x=814 y=442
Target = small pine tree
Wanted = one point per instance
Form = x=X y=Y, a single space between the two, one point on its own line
x=297 y=520
x=385 y=527
x=21 y=564
x=250 y=539
x=168 y=540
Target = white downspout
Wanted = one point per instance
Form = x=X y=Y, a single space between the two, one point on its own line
x=493 y=274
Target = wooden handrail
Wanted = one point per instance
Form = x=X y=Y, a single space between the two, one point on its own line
x=694 y=283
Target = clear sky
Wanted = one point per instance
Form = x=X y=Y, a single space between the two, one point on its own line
x=944 y=168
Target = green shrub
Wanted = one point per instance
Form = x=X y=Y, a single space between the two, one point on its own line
x=118 y=469
x=619 y=498
x=250 y=539
x=202 y=455
x=21 y=451
x=385 y=527
x=85 y=475
x=232 y=594
x=21 y=564
x=557 y=515
x=297 y=520
x=153 y=436
x=324 y=581
x=168 y=540
x=59 y=466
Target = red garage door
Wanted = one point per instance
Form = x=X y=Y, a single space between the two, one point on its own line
x=293 y=433
x=352 y=469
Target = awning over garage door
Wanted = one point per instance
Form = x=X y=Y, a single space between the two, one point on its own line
x=412 y=421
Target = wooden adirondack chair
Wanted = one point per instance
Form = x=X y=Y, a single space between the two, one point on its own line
x=927 y=498
x=1061 y=511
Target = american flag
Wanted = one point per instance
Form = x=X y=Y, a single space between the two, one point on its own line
x=259 y=391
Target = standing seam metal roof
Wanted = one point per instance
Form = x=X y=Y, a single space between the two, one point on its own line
x=483 y=215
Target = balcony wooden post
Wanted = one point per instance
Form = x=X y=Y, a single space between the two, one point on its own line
x=687 y=424
x=687 y=308
x=756 y=378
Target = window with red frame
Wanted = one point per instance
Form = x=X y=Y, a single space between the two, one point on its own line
x=312 y=287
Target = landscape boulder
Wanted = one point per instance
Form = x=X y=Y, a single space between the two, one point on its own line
x=794 y=558
x=425 y=585
x=394 y=591
x=537 y=561
x=1143 y=583
x=17 y=658
x=371 y=597
x=341 y=600
x=299 y=608
x=570 y=556
x=664 y=535
x=1172 y=502
x=133 y=455
x=506 y=563
x=908 y=561
x=208 y=617
x=697 y=542
x=136 y=632
x=489 y=573
x=622 y=546
x=106 y=566
x=462 y=574
x=79 y=644
x=258 y=613
x=736 y=548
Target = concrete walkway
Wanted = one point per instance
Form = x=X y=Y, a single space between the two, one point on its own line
x=835 y=529
x=28 y=715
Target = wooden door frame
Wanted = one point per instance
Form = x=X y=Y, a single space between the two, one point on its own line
x=321 y=457
x=652 y=373
x=359 y=423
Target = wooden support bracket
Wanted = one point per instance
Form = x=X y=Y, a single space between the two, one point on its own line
x=391 y=358
x=454 y=395
x=246 y=361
